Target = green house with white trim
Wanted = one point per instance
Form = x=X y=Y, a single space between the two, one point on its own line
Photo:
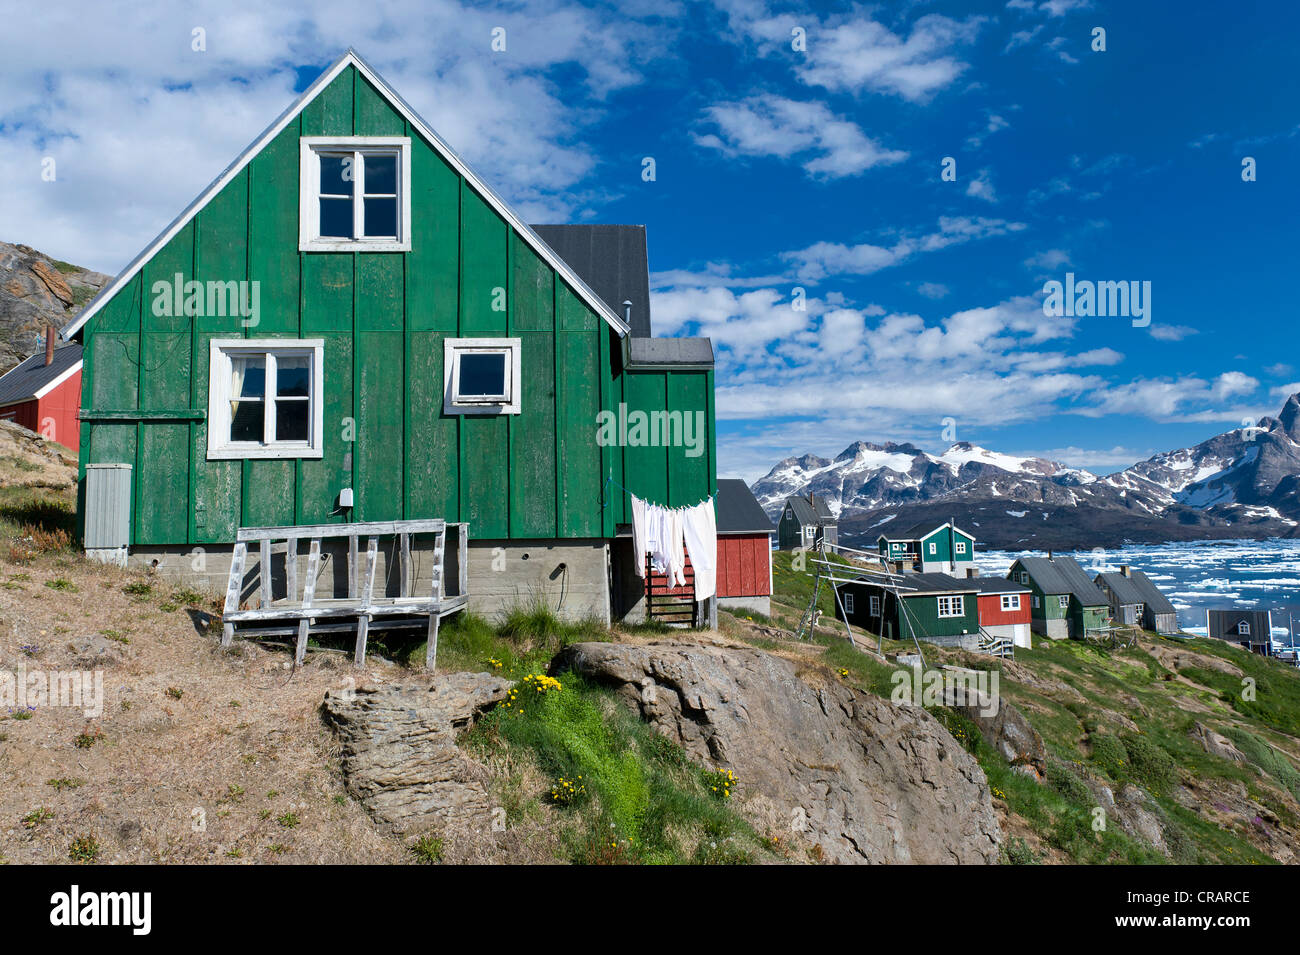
x=1063 y=598
x=349 y=325
x=930 y=549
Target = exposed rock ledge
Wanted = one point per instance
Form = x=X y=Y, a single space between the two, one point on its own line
x=400 y=758
x=866 y=780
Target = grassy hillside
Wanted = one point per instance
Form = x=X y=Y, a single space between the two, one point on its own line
x=1119 y=718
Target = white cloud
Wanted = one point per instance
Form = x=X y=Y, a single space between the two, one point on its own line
x=829 y=146
x=933 y=289
x=1170 y=333
x=139 y=123
x=981 y=187
x=822 y=259
x=1048 y=260
x=854 y=54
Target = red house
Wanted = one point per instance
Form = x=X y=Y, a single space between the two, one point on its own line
x=744 y=549
x=43 y=394
x=1004 y=608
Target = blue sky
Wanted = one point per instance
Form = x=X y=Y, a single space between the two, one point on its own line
x=778 y=168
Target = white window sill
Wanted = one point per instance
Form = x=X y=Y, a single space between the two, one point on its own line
x=277 y=452
x=354 y=245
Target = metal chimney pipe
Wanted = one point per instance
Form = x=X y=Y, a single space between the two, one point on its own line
x=49 y=344
x=627 y=312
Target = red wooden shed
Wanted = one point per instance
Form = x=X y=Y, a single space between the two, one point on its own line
x=1004 y=609
x=744 y=549
x=43 y=394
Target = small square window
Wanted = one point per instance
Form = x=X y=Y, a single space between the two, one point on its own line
x=356 y=194
x=481 y=376
x=1063 y=601
x=961 y=547
x=1011 y=601
x=264 y=398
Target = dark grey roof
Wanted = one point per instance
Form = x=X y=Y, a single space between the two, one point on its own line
x=1063 y=575
x=935 y=584
x=996 y=585
x=612 y=260
x=806 y=513
x=1137 y=589
x=738 y=510
x=670 y=351
x=30 y=376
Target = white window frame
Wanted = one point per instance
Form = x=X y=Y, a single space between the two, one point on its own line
x=873 y=606
x=1063 y=601
x=848 y=602
x=956 y=605
x=1011 y=601
x=311 y=148
x=1243 y=628
x=961 y=547
x=934 y=548
x=453 y=348
x=1036 y=604
x=220 y=351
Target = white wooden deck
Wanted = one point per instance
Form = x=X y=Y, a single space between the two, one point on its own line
x=300 y=611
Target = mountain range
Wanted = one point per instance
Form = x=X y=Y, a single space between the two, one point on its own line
x=1243 y=483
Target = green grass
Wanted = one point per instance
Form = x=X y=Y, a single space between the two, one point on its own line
x=644 y=800
x=45 y=508
x=525 y=641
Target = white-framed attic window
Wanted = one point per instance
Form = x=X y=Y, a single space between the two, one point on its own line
x=265 y=398
x=481 y=376
x=355 y=194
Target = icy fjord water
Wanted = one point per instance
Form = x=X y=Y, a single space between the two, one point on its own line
x=1200 y=575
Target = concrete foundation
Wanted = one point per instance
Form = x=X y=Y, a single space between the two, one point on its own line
x=1055 y=629
x=761 y=605
x=570 y=576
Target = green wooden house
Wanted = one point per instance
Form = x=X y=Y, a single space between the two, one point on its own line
x=1064 y=600
x=933 y=607
x=926 y=548
x=349 y=325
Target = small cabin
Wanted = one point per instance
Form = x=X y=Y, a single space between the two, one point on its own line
x=933 y=607
x=1136 y=602
x=929 y=549
x=1064 y=601
x=1004 y=609
x=43 y=393
x=1250 y=629
x=805 y=520
x=744 y=549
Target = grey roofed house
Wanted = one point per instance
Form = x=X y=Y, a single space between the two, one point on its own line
x=1063 y=575
x=996 y=585
x=932 y=584
x=800 y=520
x=738 y=510
x=614 y=262
x=28 y=377
x=1129 y=589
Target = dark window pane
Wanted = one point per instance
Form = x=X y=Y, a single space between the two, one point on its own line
x=291 y=420
x=291 y=376
x=246 y=421
x=336 y=218
x=248 y=377
x=381 y=175
x=381 y=217
x=482 y=375
x=337 y=175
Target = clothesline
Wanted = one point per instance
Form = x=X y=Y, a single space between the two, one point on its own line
x=604 y=499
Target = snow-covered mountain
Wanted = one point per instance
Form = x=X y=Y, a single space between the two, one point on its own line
x=1243 y=483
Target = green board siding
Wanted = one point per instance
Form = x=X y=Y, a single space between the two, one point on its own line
x=383 y=318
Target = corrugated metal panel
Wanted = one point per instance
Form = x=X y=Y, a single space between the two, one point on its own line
x=108 y=506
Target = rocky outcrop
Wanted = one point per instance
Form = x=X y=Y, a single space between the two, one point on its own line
x=36 y=292
x=400 y=758
x=1003 y=727
x=1215 y=743
x=860 y=778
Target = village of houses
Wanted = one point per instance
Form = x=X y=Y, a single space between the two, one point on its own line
x=370 y=400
